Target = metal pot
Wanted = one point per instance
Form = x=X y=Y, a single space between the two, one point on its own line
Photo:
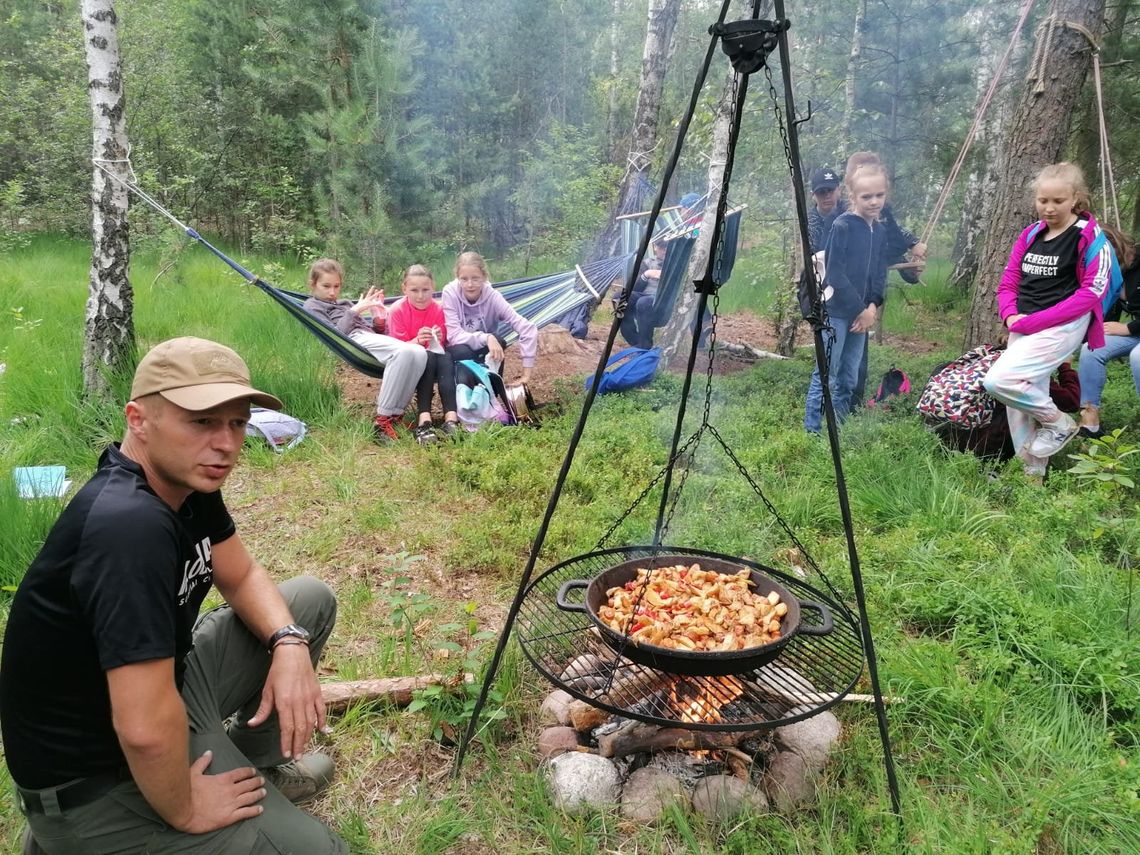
x=691 y=662
x=521 y=401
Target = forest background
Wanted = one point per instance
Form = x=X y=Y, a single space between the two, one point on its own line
x=386 y=132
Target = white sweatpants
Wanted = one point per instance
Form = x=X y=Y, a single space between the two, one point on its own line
x=1020 y=380
x=403 y=363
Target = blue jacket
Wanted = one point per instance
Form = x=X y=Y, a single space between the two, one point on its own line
x=856 y=265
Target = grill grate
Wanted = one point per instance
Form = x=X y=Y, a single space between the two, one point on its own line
x=810 y=674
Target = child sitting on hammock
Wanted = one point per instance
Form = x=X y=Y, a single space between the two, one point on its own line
x=403 y=362
x=419 y=318
x=475 y=313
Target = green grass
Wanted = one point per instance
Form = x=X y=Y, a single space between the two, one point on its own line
x=996 y=613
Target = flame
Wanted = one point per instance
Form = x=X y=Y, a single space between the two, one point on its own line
x=702 y=704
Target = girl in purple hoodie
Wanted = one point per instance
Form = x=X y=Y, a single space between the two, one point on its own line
x=1050 y=301
x=475 y=312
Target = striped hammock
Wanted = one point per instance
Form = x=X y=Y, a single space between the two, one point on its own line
x=539 y=299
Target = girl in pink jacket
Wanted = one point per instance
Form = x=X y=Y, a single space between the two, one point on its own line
x=419 y=318
x=1050 y=300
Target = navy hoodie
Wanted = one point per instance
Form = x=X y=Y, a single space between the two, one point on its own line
x=856 y=265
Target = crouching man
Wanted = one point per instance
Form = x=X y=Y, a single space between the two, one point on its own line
x=115 y=694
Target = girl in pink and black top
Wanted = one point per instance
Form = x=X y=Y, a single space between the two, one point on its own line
x=1050 y=300
x=419 y=318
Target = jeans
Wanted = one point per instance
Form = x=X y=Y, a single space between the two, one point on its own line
x=1093 y=367
x=637 y=325
x=846 y=352
x=225 y=672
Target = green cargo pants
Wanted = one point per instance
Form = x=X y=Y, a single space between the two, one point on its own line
x=225 y=673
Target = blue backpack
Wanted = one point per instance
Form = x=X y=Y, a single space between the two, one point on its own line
x=628 y=369
x=1115 y=277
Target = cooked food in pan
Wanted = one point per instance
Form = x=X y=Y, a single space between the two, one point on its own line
x=686 y=608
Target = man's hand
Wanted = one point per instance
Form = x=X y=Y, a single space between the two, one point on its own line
x=918 y=252
x=1115 y=328
x=291 y=688
x=494 y=349
x=864 y=320
x=220 y=800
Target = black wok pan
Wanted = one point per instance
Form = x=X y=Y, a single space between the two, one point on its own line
x=690 y=662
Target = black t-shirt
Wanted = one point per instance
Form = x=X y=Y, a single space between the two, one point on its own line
x=119 y=580
x=1049 y=270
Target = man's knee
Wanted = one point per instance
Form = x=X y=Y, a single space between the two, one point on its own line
x=311 y=602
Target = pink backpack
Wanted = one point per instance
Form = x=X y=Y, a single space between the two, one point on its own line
x=955 y=395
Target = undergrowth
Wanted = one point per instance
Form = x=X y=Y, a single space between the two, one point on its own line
x=1000 y=615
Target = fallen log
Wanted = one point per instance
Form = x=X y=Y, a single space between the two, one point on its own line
x=638 y=736
x=397 y=691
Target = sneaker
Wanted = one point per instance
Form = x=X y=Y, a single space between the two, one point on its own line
x=424 y=434
x=451 y=429
x=384 y=430
x=1051 y=438
x=301 y=779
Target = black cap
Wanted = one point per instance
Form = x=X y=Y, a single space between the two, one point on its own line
x=823 y=177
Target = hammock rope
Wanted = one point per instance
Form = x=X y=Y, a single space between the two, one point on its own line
x=999 y=72
x=539 y=299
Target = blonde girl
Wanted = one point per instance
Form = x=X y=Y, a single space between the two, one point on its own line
x=1049 y=299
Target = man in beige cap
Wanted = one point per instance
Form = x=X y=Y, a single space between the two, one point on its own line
x=114 y=692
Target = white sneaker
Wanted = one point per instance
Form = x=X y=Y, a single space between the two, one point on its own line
x=1051 y=438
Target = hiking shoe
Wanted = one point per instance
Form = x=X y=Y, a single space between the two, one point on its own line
x=425 y=435
x=451 y=429
x=1051 y=438
x=384 y=430
x=303 y=778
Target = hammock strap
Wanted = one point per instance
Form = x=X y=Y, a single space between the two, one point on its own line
x=936 y=215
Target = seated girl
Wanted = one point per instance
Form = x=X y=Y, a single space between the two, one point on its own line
x=474 y=312
x=418 y=318
x=403 y=362
x=1121 y=340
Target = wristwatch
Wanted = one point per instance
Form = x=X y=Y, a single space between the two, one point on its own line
x=289 y=631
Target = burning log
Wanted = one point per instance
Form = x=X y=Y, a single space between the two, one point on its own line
x=637 y=736
x=626 y=688
x=395 y=690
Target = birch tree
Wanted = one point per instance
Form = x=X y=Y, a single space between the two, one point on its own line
x=109 y=335
x=986 y=156
x=643 y=142
x=1038 y=134
x=846 y=133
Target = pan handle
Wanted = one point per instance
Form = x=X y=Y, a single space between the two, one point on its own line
x=809 y=629
x=573 y=585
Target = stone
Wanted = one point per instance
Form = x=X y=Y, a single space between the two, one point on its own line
x=581 y=781
x=556 y=740
x=787 y=783
x=647 y=793
x=813 y=739
x=586 y=672
x=555 y=709
x=722 y=798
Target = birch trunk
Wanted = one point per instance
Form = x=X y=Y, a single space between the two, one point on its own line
x=654 y=59
x=109 y=336
x=845 y=136
x=1038 y=134
x=985 y=157
x=678 y=330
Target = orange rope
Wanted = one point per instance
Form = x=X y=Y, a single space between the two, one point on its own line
x=1026 y=6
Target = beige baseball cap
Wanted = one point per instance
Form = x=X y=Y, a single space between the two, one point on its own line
x=196 y=374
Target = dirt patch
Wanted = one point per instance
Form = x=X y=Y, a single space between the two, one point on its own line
x=562 y=357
